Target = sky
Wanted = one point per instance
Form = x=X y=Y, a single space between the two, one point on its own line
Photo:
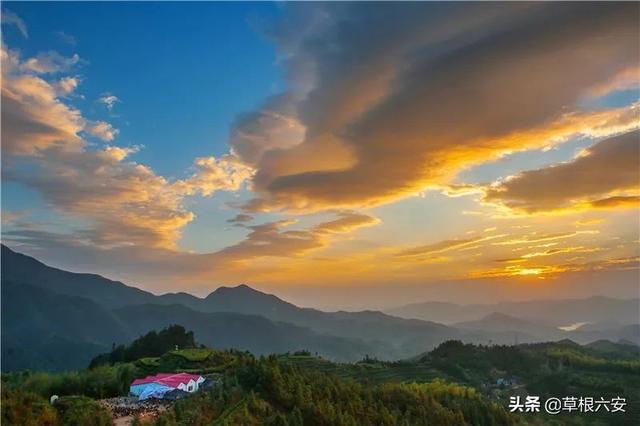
x=341 y=155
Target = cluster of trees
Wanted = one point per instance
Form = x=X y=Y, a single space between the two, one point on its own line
x=152 y=344
x=29 y=409
x=101 y=382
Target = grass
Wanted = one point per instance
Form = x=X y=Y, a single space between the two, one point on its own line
x=149 y=361
x=194 y=355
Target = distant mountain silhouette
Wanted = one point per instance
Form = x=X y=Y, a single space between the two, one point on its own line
x=511 y=328
x=87 y=313
x=23 y=269
x=405 y=335
x=243 y=332
x=496 y=321
x=393 y=337
x=553 y=313
x=54 y=319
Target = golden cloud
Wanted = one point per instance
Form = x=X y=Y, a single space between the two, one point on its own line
x=446 y=245
x=273 y=240
x=431 y=98
x=617 y=202
x=607 y=167
x=536 y=237
x=541 y=271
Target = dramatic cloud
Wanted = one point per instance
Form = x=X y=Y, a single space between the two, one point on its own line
x=436 y=88
x=608 y=167
x=383 y=101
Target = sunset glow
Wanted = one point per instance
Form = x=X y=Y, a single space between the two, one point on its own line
x=460 y=148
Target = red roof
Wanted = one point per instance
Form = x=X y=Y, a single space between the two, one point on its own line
x=168 y=379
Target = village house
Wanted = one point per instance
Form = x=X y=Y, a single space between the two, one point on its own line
x=160 y=384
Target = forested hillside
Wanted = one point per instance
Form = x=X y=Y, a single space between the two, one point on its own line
x=457 y=384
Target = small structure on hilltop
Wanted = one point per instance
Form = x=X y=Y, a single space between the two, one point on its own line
x=160 y=384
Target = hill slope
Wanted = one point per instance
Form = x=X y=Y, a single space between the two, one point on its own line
x=22 y=269
x=45 y=330
x=394 y=337
x=243 y=332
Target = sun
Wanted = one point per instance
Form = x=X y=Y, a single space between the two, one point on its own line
x=529 y=271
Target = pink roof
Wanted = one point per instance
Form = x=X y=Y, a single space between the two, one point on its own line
x=168 y=379
x=142 y=381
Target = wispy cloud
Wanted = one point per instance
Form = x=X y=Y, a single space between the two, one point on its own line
x=537 y=237
x=11 y=18
x=50 y=62
x=65 y=38
x=444 y=246
x=240 y=219
x=273 y=239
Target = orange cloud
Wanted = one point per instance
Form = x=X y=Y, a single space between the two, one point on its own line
x=544 y=270
x=443 y=246
x=609 y=166
x=553 y=251
x=273 y=240
x=215 y=174
x=591 y=221
x=536 y=237
x=399 y=123
x=617 y=202
x=346 y=222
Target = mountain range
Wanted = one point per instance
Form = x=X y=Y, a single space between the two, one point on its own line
x=554 y=313
x=56 y=320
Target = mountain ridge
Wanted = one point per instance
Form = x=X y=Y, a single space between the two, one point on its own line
x=233 y=317
x=552 y=312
